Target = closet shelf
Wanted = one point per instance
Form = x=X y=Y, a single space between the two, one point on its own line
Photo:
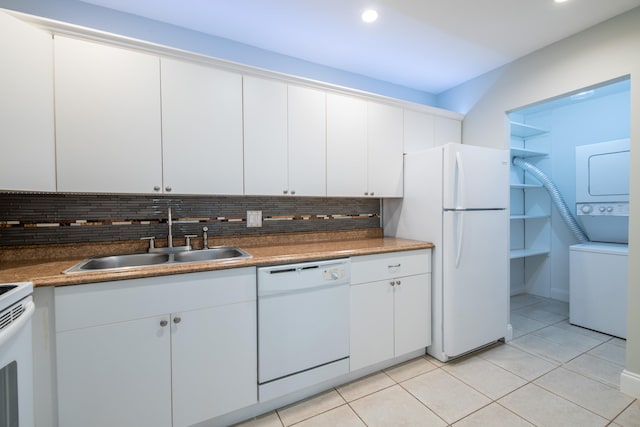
x=521 y=130
x=525 y=186
x=522 y=152
x=522 y=253
x=538 y=216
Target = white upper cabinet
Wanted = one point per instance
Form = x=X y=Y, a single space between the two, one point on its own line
x=284 y=139
x=265 y=137
x=364 y=148
x=423 y=130
x=447 y=130
x=27 y=162
x=108 y=130
x=201 y=129
x=307 y=142
x=419 y=131
x=346 y=146
x=385 y=143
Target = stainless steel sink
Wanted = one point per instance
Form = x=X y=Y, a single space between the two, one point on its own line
x=126 y=262
x=211 y=254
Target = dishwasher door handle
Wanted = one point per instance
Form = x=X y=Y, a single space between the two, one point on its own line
x=294 y=270
x=278 y=292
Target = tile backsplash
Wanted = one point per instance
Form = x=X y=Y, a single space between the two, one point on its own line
x=33 y=219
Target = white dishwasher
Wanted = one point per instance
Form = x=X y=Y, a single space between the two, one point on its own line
x=303 y=325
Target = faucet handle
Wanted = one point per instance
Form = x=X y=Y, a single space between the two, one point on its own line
x=152 y=242
x=187 y=238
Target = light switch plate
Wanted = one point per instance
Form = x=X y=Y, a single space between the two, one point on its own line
x=254 y=218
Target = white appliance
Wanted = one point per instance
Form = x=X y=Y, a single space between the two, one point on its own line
x=598 y=269
x=456 y=196
x=303 y=325
x=598 y=287
x=602 y=190
x=16 y=359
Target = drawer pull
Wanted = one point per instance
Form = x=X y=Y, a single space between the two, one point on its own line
x=395 y=266
x=163 y=323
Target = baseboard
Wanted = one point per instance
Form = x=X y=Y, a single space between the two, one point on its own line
x=560 y=295
x=509 y=334
x=630 y=383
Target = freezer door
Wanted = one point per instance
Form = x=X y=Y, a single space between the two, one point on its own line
x=475 y=284
x=475 y=177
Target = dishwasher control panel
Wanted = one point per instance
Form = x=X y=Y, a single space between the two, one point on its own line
x=334 y=273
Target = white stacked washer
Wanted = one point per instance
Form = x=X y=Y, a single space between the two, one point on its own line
x=598 y=269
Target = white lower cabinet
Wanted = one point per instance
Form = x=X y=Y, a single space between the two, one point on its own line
x=115 y=375
x=165 y=351
x=390 y=316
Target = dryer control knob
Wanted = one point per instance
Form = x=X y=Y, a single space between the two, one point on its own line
x=586 y=209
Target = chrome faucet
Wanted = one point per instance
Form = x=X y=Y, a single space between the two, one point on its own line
x=170 y=236
x=170 y=248
x=205 y=238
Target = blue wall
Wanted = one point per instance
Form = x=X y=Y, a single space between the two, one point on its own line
x=86 y=15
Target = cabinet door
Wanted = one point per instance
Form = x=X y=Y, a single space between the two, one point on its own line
x=214 y=359
x=265 y=137
x=307 y=142
x=346 y=146
x=107 y=107
x=385 y=125
x=371 y=322
x=115 y=375
x=412 y=310
x=447 y=130
x=419 y=131
x=201 y=129
x=27 y=162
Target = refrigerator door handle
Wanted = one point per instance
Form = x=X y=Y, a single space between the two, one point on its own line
x=460 y=233
x=461 y=183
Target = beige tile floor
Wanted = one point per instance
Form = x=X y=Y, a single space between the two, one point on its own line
x=551 y=374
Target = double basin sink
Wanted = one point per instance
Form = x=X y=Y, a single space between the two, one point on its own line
x=124 y=262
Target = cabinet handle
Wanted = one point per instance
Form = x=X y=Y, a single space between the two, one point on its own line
x=167 y=189
x=284 y=191
x=163 y=323
x=398 y=282
x=372 y=193
x=293 y=192
x=366 y=193
x=394 y=266
x=156 y=188
x=392 y=283
x=177 y=319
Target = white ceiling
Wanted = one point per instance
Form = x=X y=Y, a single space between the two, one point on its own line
x=428 y=45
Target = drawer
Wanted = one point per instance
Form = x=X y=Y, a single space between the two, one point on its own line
x=96 y=304
x=371 y=268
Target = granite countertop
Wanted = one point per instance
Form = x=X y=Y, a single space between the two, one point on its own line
x=48 y=272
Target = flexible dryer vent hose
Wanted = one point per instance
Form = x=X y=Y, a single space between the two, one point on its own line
x=556 y=198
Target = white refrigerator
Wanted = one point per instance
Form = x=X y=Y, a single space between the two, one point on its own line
x=456 y=196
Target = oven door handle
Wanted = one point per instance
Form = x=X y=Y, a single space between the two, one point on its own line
x=17 y=326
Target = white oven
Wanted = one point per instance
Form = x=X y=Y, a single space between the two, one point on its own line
x=16 y=358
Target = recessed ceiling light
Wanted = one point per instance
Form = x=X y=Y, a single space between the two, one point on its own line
x=369 y=15
x=560 y=1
